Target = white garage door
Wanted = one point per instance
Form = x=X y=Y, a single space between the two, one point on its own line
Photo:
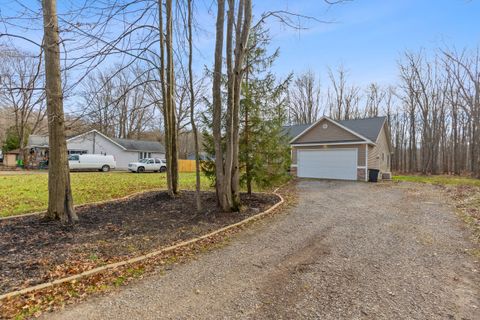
x=328 y=164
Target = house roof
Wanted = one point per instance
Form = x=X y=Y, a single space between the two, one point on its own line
x=127 y=144
x=367 y=127
x=37 y=141
x=140 y=145
x=294 y=130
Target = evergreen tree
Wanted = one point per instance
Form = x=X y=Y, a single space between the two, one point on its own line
x=264 y=151
x=12 y=140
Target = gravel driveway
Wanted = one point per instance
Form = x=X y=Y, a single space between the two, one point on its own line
x=346 y=251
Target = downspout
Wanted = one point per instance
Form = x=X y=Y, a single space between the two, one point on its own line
x=93 y=142
x=366 y=162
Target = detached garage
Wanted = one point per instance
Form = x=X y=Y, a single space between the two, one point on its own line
x=341 y=150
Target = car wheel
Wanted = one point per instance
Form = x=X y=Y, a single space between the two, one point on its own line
x=105 y=168
x=141 y=169
x=163 y=169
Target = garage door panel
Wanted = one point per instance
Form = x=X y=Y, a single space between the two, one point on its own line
x=328 y=164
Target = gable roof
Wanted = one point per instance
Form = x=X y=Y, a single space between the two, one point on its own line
x=124 y=144
x=367 y=128
x=99 y=133
x=140 y=145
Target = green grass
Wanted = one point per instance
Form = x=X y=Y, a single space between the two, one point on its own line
x=25 y=193
x=441 y=180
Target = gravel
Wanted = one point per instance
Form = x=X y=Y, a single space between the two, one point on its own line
x=346 y=251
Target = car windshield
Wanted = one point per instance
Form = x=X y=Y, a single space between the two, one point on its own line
x=144 y=160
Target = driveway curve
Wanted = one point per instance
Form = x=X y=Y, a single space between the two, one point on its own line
x=347 y=250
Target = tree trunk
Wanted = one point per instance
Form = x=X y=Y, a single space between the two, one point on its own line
x=164 y=97
x=168 y=91
x=173 y=134
x=217 y=108
x=60 y=200
x=192 y=106
x=248 y=164
x=229 y=153
x=241 y=38
x=227 y=171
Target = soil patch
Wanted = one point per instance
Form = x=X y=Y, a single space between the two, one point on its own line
x=35 y=251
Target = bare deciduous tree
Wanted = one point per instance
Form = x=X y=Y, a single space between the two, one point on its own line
x=436 y=131
x=343 y=100
x=60 y=200
x=304 y=99
x=21 y=91
x=226 y=159
x=117 y=104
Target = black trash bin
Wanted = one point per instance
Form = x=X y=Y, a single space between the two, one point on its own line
x=373 y=175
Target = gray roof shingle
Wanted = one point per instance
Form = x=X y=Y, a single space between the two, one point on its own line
x=294 y=130
x=37 y=141
x=140 y=145
x=129 y=144
x=368 y=127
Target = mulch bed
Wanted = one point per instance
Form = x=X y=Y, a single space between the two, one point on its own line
x=34 y=251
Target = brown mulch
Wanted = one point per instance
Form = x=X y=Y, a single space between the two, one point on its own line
x=34 y=251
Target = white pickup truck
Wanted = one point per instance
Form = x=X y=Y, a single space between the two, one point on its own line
x=148 y=164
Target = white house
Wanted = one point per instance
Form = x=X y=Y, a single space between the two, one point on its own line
x=95 y=142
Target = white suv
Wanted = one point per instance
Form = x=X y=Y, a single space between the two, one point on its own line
x=148 y=164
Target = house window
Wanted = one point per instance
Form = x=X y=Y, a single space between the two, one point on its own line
x=383 y=156
x=143 y=155
x=77 y=152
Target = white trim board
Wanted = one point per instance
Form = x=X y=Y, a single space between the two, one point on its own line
x=328 y=144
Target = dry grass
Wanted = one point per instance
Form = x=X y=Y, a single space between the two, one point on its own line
x=440 y=180
x=465 y=193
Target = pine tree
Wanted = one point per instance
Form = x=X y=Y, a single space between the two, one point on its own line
x=264 y=152
x=264 y=149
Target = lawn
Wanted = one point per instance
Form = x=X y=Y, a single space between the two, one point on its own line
x=465 y=193
x=28 y=193
x=440 y=180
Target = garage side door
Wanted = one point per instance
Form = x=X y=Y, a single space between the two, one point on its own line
x=328 y=164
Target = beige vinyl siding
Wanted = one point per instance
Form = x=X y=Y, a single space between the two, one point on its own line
x=360 y=149
x=379 y=155
x=372 y=157
x=332 y=133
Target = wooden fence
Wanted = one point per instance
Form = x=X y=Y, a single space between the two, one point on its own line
x=186 y=165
